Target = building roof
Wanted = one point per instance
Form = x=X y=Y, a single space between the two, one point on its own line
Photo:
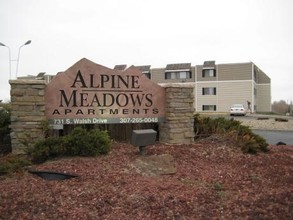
x=209 y=63
x=120 y=67
x=41 y=75
x=144 y=69
x=178 y=66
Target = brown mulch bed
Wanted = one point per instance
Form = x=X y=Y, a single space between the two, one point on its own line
x=214 y=180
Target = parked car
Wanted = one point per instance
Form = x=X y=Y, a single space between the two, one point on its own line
x=238 y=109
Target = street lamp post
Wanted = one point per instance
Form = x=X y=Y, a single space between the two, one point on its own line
x=17 y=60
x=26 y=43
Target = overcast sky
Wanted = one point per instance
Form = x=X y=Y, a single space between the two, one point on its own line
x=148 y=32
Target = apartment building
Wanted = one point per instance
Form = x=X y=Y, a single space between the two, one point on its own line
x=218 y=86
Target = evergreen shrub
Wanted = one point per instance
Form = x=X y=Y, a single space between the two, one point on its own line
x=45 y=149
x=79 y=142
x=13 y=163
x=242 y=135
x=5 y=142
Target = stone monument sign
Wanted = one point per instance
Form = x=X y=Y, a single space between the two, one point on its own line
x=88 y=93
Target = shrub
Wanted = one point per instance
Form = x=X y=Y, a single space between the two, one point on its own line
x=245 y=138
x=84 y=143
x=101 y=140
x=13 y=163
x=45 y=149
x=5 y=142
x=4 y=119
x=262 y=145
x=79 y=142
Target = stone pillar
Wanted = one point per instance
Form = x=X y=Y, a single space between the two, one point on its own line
x=179 y=125
x=27 y=112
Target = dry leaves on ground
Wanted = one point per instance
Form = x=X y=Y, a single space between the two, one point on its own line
x=213 y=180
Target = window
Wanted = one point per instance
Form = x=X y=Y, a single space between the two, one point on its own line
x=170 y=75
x=208 y=73
x=209 y=107
x=178 y=75
x=209 y=91
x=183 y=75
x=148 y=75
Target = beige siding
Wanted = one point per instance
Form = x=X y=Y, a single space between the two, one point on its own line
x=228 y=93
x=193 y=73
x=263 y=91
x=263 y=98
x=260 y=76
x=236 y=92
x=199 y=75
x=237 y=71
x=158 y=75
x=204 y=99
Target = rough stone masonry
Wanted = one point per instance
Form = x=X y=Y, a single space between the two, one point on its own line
x=178 y=127
x=27 y=112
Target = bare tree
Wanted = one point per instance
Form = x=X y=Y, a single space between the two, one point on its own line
x=280 y=107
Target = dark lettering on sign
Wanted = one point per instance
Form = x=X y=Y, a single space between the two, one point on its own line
x=102 y=81
x=98 y=99
x=95 y=100
x=67 y=101
x=90 y=91
x=115 y=111
x=80 y=79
